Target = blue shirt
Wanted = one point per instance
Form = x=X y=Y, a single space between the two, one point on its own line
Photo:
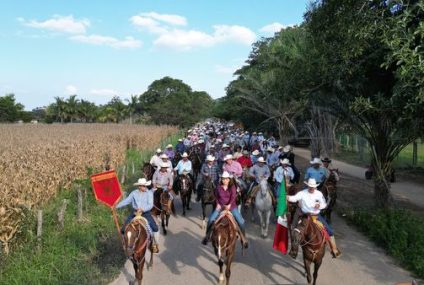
x=183 y=165
x=138 y=200
x=318 y=174
x=180 y=147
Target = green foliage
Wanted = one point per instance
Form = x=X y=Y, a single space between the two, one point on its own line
x=10 y=111
x=399 y=232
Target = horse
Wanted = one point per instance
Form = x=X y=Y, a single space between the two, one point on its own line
x=185 y=186
x=148 y=170
x=224 y=237
x=263 y=204
x=136 y=240
x=329 y=190
x=208 y=197
x=312 y=240
x=176 y=159
x=163 y=207
x=242 y=188
x=196 y=162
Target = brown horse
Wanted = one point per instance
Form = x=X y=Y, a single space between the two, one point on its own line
x=162 y=206
x=185 y=187
x=148 y=170
x=136 y=242
x=312 y=240
x=208 y=197
x=329 y=190
x=176 y=159
x=224 y=237
x=196 y=163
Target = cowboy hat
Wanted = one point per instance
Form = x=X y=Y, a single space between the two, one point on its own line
x=326 y=159
x=270 y=149
x=212 y=146
x=163 y=155
x=255 y=152
x=261 y=159
x=225 y=145
x=227 y=157
x=169 y=146
x=245 y=152
x=180 y=140
x=316 y=160
x=286 y=148
x=142 y=182
x=184 y=154
x=164 y=165
x=210 y=158
x=225 y=174
x=201 y=141
x=158 y=150
x=285 y=161
x=312 y=183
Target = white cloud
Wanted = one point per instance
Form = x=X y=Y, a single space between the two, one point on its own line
x=274 y=28
x=174 y=20
x=187 y=39
x=128 y=42
x=63 y=24
x=103 y=92
x=71 y=90
x=149 y=24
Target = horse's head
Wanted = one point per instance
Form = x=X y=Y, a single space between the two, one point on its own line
x=184 y=183
x=132 y=234
x=165 y=202
x=263 y=184
x=300 y=232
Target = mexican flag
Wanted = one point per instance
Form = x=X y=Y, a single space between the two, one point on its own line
x=281 y=237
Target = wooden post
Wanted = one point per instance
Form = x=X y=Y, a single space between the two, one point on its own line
x=123 y=174
x=118 y=227
x=61 y=214
x=39 y=228
x=79 y=205
x=414 y=153
x=133 y=168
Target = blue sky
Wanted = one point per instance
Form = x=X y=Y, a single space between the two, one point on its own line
x=101 y=48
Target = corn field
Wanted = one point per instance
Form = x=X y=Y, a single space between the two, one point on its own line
x=38 y=160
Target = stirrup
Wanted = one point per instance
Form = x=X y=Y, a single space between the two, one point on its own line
x=337 y=254
x=154 y=248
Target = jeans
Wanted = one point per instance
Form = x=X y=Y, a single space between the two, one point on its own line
x=326 y=225
x=147 y=216
x=236 y=214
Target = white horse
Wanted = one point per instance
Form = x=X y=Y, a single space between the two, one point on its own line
x=263 y=203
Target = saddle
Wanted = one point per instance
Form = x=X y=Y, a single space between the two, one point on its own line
x=229 y=216
x=139 y=219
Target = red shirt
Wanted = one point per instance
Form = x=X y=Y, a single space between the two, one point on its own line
x=245 y=161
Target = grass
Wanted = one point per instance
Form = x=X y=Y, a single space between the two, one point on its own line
x=84 y=252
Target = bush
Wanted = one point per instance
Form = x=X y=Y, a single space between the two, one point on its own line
x=399 y=232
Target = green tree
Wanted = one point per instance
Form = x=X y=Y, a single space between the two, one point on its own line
x=72 y=108
x=9 y=109
x=132 y=106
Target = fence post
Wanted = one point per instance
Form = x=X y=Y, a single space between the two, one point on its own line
x=123 y=174
x=39 y=228
x=133 y=168
x=79 y=205
x=414 y=153
x=61 y=214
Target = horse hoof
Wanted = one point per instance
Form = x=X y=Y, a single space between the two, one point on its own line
x=188 y=209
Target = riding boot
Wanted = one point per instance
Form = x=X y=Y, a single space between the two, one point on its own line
x=335 y=252
x=243 y=238
x=154 y=246
x=208 y=234
x=173 y=209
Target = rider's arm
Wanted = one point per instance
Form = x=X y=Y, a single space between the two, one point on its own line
x=126 y=201
x=322 y=202
x=295 y=198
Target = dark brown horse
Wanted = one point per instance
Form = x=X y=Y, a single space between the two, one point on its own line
x=148 y=170
x=176 y=159
x=196 y=162
x=162 y=206
x=329 y=190
x=208 y=197
x=185 y=187
x=136 y=242
x=312 y=240
x=224 y=237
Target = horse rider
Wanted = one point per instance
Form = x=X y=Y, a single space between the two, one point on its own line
x=187 y=142
x=311 y=203
x=283 y=172
x=328 y=171
x=170 y=152
x=253 y=139
x=258 y=172
x=156 y=160
x=225 y=150
x=226 y=195
x=184 y=165
x=141 y=200
x=237 y=153
x=316 y=171
x=245 y=160
x=165 y=160
x=288 y=153
x=209 y=169
x=232 y=166
x=255 y=155
x=271 y=159
x=246 y=139
x=180 y=148
x=163 y=179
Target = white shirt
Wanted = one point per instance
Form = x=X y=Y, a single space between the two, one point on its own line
x=309 y=200
x=155 y=160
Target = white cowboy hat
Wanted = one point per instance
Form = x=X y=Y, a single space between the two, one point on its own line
x=312 y=183
x=201 y=141
x=270 y=149
x=142 y=182
x=245 y=152
x=255 y=152
x=164 y=165
x=286 y=148
x=218 y=140
x=285 y=161
x=169 y=146
x=212 y=146
x=280 y=147
x=180 y=140
x=184 y=154
x=316 y=160
x=261 y=159
x=225 y=174
x=163 y=155
x=158 y=150
x=185 y=171
x=189 y=130
x=227 y=157
x=210 y=158
x=225 y=145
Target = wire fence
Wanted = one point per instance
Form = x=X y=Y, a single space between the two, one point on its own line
x=356 y=149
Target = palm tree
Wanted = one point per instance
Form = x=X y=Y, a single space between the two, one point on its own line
x=72 y=107
x=132 y=106
x=60 y=109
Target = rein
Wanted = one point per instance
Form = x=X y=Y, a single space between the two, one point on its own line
x=309 y=244
x=142 y=247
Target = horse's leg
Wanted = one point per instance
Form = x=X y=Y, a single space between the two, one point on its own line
x=151 y=259
x=252 y=209
x=317 y=264
x=307 y=264
x=203 y=215
x=188 y=200
x=228 y=265
x=268 y=215
x=167 y=219
x=221 y=273
x=261 y=222
x=162 y=218
x=140 y=273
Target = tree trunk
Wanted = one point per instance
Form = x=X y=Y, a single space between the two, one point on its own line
x=382 y=195
x=382 y=172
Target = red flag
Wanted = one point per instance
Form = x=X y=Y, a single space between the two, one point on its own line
x=281 y=236
x=106 y=187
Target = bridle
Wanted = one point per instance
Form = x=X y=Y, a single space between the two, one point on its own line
x=141 y=248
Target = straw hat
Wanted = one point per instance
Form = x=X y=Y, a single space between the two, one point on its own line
x=270 y=149
x=169 y=146
x=142 y=182
x=286 y=148
x=164 y=156
x=245 y=152
x=225 y=145
x=261 y=159
x=285 y=161
x=180 y=140
x=210 y=158
x=227 y=157
x=312 y=183
x=316 y=160
x=164 y=165
x=225 y=174
x=201 y=141
x=184 y=154
x=158 y=150
x=255 y=152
